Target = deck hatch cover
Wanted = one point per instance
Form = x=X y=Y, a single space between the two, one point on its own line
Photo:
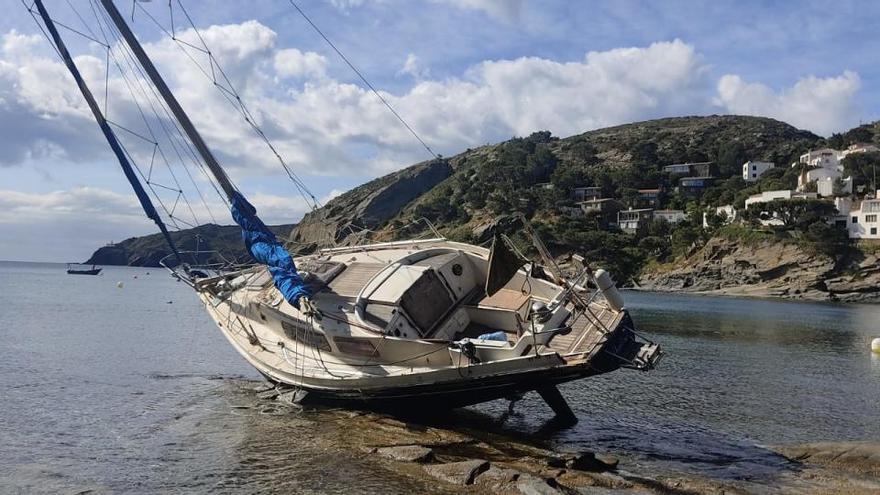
x=426 y=301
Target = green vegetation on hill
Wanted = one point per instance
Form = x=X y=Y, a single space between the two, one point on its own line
x=535 y=175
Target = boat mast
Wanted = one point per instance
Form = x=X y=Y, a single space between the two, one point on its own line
x=169 y=98
x=139 y=191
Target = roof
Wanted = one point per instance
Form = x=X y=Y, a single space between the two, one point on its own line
x=648 y=191
x=690 y=163
x=669 y=211
x=597 y=200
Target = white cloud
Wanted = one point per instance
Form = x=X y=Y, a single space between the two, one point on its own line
x=291 y=62
x=823 y=105
x=507 y=10
x=413 y=67
x=324 y=126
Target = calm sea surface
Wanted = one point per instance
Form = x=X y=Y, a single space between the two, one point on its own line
x=133 y=390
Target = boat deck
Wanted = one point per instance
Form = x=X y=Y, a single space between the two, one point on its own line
x=588 y=332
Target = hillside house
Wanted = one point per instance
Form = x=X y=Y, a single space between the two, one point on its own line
x=863 y=222
x=822 y=158
x=858 y=148
x=649 y=197
x=605 y=210
x=783 y=195
x=632 y=221
x=780 y=195
x=698 y=169
x=586 y=193
x=694 y=185
x=670 y=216
x=752 y=171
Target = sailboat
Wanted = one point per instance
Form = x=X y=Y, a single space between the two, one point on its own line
x=411 y=324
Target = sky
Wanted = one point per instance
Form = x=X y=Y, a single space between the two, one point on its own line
x=462 y=73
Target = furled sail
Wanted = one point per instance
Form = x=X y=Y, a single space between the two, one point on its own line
x=265 y=248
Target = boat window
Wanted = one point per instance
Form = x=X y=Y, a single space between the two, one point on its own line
x=379 y=314
x=426 y=301
x=302 y=333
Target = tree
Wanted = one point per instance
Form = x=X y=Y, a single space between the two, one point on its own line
x=791 y=213
x=827 y=239
x=861 y=166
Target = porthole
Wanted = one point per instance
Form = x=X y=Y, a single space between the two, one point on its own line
x=457 y=270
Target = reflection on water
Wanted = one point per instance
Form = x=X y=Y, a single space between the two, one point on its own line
x=116 y=389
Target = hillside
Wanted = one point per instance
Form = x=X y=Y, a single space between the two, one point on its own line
x=535 y=175
x=210 y=238
x=466 y=194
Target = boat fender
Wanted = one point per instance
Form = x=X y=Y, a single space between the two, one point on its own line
x=609 y=290
x=499 y=336
x=875 y=345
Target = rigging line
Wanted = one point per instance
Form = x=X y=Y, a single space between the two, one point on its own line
x=150 y=130
x=73 y=30
x=122 y=146
x=42 y=30
x=164 y=127
x=229 y=92
x=364 y=79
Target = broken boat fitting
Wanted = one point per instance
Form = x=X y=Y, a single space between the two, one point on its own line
x=608 y=289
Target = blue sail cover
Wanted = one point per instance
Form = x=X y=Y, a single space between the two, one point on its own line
x=266 y=249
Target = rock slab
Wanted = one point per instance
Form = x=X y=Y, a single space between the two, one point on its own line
x=458 y=473
x=406 y=453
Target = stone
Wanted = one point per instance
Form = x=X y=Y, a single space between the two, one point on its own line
x=292 y=397
x=407 y=453
x=533 y=485
x=610 y=461
x=458 y=473
x=268 y=394
x=496 y=477
x=588 y=461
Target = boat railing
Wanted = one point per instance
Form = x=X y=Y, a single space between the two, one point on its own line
x=192 y=266
x=356 y=237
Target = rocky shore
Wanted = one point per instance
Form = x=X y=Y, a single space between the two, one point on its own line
x=452 y=456
x=768 y=269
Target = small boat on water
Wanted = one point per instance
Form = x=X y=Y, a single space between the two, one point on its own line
x=408 y=324
x=73 y=269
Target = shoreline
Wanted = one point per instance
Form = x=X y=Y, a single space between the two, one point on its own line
x=470 y=452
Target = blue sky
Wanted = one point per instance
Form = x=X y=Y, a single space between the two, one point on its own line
x=462 y=72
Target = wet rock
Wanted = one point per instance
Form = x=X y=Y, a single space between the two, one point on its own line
x=496 y=477
x=407 y=453
x=609 y=460
x=588 y=461
x=458 y=473
x=533 y=485
x=855 y=457
x=292 y=397
x=268 y=394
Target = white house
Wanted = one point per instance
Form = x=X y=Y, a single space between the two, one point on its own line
x=753 y=170
x=863 y=223
x=824 y=158
x=829 y=170
x=728 y=211
x=671 y=216
x=781 y=195
x=858 y=148
x=834 y=187
x=632 y=221
x=784 y=194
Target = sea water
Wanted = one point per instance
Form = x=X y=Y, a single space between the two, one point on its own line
x=133 y=389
